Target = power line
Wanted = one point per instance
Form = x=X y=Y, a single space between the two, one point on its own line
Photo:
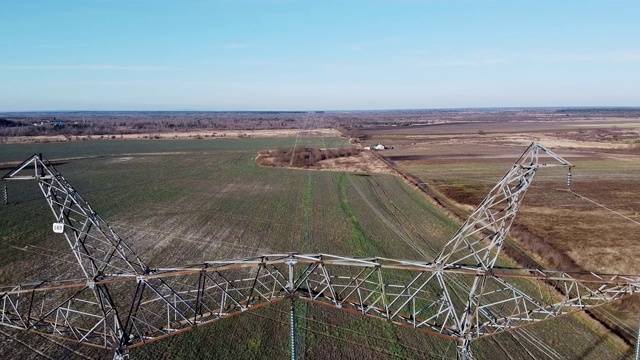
x=359 y=344
x=603 y=206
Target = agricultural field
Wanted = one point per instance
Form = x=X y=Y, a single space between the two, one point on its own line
x=595 y=231
x=66 y=150
x=185 y=201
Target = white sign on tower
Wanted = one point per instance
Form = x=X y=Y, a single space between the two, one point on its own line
x=58 y=228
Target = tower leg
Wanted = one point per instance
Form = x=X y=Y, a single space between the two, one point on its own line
x=121 y=354
x=464 y=349
x=292 y=321
x=638 y=344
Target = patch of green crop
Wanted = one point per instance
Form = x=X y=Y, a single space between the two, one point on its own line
x=19 y=152
x=361 y=242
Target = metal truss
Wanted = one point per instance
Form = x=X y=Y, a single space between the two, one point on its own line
x=418 y=295
x=96 y=246
x=121 y=303
x=480 y=238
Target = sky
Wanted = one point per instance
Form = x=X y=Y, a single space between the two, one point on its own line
x=317 y=55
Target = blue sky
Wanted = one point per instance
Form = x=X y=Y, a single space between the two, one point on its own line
x=317 y=55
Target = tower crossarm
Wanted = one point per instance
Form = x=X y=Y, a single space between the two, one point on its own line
x=148 y=307
x=419 y=295
x=481 y=237
x=560 y=293
x=61 y=309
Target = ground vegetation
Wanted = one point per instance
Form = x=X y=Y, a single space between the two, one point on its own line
x=184 y=201
x=302 y=156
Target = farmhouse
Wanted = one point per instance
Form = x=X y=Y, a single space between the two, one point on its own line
x=379 y=146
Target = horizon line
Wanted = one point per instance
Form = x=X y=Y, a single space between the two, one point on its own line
x=329 y=110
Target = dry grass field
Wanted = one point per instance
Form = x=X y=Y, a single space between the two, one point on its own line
x=179 y=135
x=181 y=202
x=465 y=167
x=560 y=230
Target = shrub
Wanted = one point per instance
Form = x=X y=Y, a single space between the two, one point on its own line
x=301 y=156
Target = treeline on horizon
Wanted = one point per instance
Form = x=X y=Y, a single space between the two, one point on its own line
x=88 y=123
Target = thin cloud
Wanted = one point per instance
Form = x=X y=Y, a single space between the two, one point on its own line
x=101 y=67
x=460 y=62
x=58 y=46
x=495 y=57
x=369 y=44
x=602 y=56
x=48 y=47
x=236 y=46
x=249 y=62
x=480 y=58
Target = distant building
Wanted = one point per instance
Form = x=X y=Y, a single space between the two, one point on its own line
x=367 y=147
x=379 y=146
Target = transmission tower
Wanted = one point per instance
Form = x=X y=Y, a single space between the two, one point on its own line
x=122 y=303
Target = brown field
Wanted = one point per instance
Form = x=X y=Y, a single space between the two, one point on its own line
x=513 y=126
x=559 y=230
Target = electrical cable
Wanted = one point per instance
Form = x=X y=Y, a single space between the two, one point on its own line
x=536 y=343
x=603 y=206
x=56 y=258
x=347 y=330
x=604 y=312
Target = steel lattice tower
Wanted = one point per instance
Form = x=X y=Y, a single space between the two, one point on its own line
x=123 y=303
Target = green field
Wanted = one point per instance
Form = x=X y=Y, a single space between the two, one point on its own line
x=74 y=149
x=179 y=202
